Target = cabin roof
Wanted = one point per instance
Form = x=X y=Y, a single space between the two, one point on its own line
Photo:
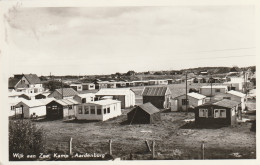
x=155 y=91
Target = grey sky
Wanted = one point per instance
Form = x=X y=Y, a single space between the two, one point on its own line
x=105 y=40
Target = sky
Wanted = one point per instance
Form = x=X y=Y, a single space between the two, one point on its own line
x=106 y=40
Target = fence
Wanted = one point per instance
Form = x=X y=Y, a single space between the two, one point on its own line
x=125 y=149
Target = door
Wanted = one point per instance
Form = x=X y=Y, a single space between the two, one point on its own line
x=22 y=115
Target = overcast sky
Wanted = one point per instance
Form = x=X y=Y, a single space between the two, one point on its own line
x=105 y=40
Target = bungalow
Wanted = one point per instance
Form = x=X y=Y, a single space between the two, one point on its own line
x=234 y=96
x=101 y=84
x=194 y=100
x=98 y=110
x=63 y=93
x=162 y=82
x=158 y=96
x=84 y=98
x=59 y=109
x=77 y=87
x=111 y=85
x=125 y=95
x=206 y=90
x=12 y=102
x=28 y=96
x=223 y=112
x=88 y=86
x=233 y=85
x=152 y=82
x=42 y=95
x=140 y=83
x=32 y=108
x=144 y=114
x=170 y=81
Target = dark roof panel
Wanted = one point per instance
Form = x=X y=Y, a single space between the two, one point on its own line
x=12 y=82
x=32 y=78
x=149 y=108
x=67 y=92
x=227 y=103
x=155 y=91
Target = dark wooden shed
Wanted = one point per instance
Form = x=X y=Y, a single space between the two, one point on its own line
x=223 y=112
x=61 y=109
x=144 y=114
x=158 y=96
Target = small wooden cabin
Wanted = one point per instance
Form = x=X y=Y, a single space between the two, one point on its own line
x=32 y=108
x=223 y=112
x=158 y=96
x=144 y=114
x=61 y=109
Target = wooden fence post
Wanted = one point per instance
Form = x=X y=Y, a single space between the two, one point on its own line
x=70 y=146
x=110 y=147
x=153 y=144
x=147 y=145
x=202 y=150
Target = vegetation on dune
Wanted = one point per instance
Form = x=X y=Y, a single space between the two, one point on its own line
x=25 y=138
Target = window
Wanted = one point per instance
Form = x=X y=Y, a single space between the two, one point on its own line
x=80 y=109
x=86 y=109
x=203 y=113
x=54 y=107
x=229 y=98
x=105 y=110
x=79 y=87
x=99 y=111
x=92 y=110
x=217 y=90
x=12 y=107
x=184 y=102
x=219 y=113
x=70 y=106
x=108 y=110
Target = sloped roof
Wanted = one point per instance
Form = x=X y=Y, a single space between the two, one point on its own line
x=112 y=91
x=32 y=78
x=236 y=93
x=67 y=92
x=12 y=82
x=149 y=108
x=214 y=86
x=65 y=102
x=226 y=103
x=85 y=95
x=36 y=103
x=196 y=95
x=155 y=91
x=104 y=102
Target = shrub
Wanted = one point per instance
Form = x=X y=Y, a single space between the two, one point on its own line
x=25 y=138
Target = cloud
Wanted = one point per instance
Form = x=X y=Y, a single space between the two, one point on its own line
x=125 y=37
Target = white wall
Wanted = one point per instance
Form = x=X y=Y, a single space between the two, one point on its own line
x=207 y=91
x=115 y=110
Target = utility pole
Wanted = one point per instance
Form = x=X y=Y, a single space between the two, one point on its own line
x=61 y=89
x=186 y=93
x=210 y=86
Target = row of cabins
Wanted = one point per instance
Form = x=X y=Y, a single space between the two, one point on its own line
x=107 y=103
x=67 y=103
x=121 y=84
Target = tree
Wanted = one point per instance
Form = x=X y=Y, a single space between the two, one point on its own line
x=25 y=137
x=130 y=73
x=52 y=85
